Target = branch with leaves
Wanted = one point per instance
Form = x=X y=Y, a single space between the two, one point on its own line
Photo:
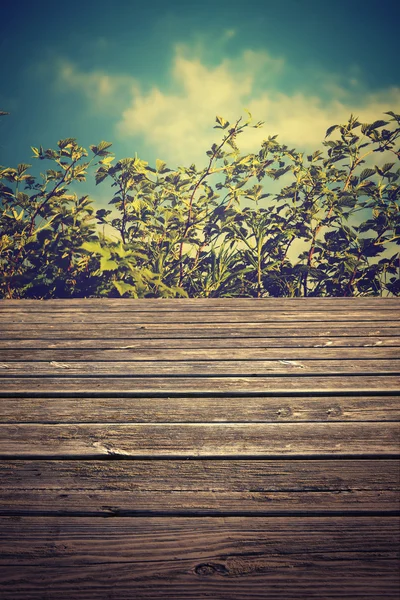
x=332 y=229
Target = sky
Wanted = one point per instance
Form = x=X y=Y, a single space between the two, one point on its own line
x=151 y=76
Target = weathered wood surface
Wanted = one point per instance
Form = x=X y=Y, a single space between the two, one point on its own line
x=62 y=355
x=177 y=318
x=323 y=341
x=182 y=409
x=198 y=439
x=196 y=368
x=245 y=448
x=206 y=304
x=199 y=330
x=179 y=558
x=229 y=487
x=201 y=386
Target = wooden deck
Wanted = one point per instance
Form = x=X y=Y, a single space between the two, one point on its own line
x=186 y=449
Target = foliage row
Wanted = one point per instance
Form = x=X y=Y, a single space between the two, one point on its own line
x=331 y=229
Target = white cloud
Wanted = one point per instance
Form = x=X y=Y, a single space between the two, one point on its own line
x=177 y=125
x=301 y=120
x=101 y=89
x=180 y=124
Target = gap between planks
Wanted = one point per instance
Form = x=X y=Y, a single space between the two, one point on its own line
x=327 y=352
x=201 y=386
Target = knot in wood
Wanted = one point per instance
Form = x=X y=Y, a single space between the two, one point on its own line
x=334 y=411
x=284 y=412
x=207 y=569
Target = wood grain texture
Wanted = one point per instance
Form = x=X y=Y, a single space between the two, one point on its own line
x=199 y=439
x=192 y=354
x=245 y=449
x=187 y=409
x=218 y=317
x=199 y=330
x=321 y=342
x=181 y=558
x=200 y=386
x=206 y=304
x=199 y=368
x=121 y=488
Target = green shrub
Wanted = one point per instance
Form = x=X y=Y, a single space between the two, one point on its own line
x=330 y=231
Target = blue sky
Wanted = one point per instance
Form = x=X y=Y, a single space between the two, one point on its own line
x=151 y=76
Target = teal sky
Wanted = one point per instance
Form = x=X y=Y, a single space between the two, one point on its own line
x=150 y=77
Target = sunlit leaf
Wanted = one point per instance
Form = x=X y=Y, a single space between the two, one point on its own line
x=124 y=288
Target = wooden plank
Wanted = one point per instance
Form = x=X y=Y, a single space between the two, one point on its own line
x=207 y=330
x=196 y=368
x=190 y=354
x=199 y=368
x=281 y=439
x=204 y=343
x=210 y=316
x=185 y=304
x=126 y=488
x=198 y=439
x=200 y=409
x=200 y=386
x=180 y=558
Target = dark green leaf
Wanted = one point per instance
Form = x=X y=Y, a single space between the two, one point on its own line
x=366 y=173
x=330 y=130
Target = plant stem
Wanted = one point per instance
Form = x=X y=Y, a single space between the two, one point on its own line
x=206 y=173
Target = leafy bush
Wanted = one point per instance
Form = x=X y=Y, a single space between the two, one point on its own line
x=330 y=230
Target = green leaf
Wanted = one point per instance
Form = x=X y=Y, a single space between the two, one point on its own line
x=124 y=288
x=366 y=173
x=331 y=130
x=107 y=160
x=102 y=214
x=377 y=124
x=104 y=145
x=249 y=120
x=22 y=197
x=395 y=116
x=67 y=142
x=22 y=168
x=93 y=247
x=160 y=165
x=179 y=291
x=370 y=127
x=222 y=123
x=51 y=154
x=107 y=264
x=101 y=149
x=101 y=175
